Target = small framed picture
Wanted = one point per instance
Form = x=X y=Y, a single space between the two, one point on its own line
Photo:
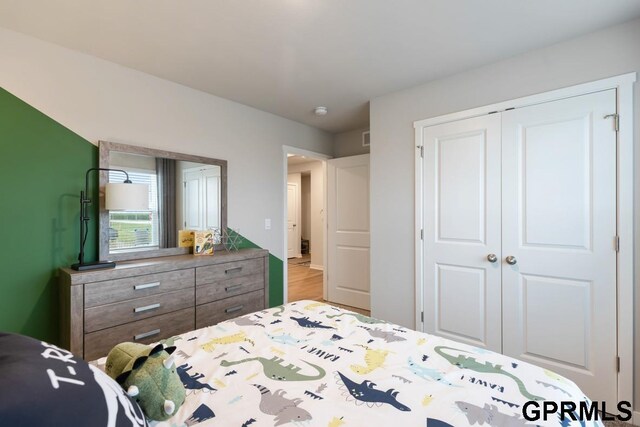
x=203 y=242
x=185 y=238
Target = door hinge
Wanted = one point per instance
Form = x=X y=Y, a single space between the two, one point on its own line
x=618 y=364
x=421 y=147
x=422 y=316
x=617 y=243
x=422 y=234
x=616 y=121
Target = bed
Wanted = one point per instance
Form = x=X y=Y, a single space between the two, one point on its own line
x=308 y=363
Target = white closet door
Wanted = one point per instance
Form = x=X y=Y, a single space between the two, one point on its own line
x=193 y=219
x=211 y=194
x=559 y=224
x=462 y=295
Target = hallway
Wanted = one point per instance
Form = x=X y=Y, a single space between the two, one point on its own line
x=306 y=283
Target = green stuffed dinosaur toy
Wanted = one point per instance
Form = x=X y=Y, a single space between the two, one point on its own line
x=148 y=375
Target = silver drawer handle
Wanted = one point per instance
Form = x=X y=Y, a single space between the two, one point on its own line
x=146 y=286
x=146 y=334
x=232 y=269
x=234 y=309
x=233 y=288
x=146 y=308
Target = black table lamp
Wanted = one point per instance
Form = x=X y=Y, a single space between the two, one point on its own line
x=124 y=196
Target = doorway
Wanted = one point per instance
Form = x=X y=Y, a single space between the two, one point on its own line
x=305 y=275
x=306 y=197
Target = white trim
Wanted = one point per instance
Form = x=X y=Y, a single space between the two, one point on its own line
x=419 y=225
x=325 y=231
x=554 y=95
x=625 y=199
x=316 y=267
x=625 y=231
x=286 y=149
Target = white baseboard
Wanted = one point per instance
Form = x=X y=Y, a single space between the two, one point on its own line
x=317 y=267
x=636 y=419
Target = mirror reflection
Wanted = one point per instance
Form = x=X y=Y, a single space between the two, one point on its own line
x=183 y=195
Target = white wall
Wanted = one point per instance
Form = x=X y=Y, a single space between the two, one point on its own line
x=316 y=243
x=101 y=100
x=349 y=143
x=599 y=55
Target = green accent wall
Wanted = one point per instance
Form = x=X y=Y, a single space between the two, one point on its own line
x=276 y=275
x=42 y=167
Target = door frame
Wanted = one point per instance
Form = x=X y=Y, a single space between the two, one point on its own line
x=624 y=195
x=312 y=155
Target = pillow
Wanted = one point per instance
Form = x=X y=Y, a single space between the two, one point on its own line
x=43 y=385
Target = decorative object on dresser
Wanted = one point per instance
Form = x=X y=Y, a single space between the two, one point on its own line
x=203 y=242
x=156 y=298
x=185 y=238
x=125 y=196
x=231 y=239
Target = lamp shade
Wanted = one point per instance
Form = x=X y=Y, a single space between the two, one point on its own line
x=126 y=197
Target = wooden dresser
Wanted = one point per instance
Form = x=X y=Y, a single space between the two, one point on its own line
x=151 y=299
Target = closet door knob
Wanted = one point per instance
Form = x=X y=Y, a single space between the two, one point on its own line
x=511 y=260
x=492 y=258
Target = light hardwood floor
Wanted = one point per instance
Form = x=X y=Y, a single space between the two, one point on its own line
x=306 y=283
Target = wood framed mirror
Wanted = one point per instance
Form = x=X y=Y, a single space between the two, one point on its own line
x=186 y=192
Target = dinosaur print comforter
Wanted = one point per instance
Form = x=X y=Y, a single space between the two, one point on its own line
x=311 y=364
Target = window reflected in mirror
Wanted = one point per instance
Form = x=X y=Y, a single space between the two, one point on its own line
x=182 y=195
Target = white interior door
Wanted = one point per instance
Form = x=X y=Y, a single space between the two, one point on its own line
x=462 y=284
x=559 y=224
x=293 y=241
x=348 y=248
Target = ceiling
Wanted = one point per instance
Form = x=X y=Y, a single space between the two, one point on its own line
x=288 y=56
x=299 y=160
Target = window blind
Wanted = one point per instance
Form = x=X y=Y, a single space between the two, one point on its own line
x=139 y=229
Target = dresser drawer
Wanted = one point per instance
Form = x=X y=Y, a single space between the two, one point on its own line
x=105 y=316
x=229 y=287
x=110 y=291
x=98 y=344
x=218 y=311
x=229 y=270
